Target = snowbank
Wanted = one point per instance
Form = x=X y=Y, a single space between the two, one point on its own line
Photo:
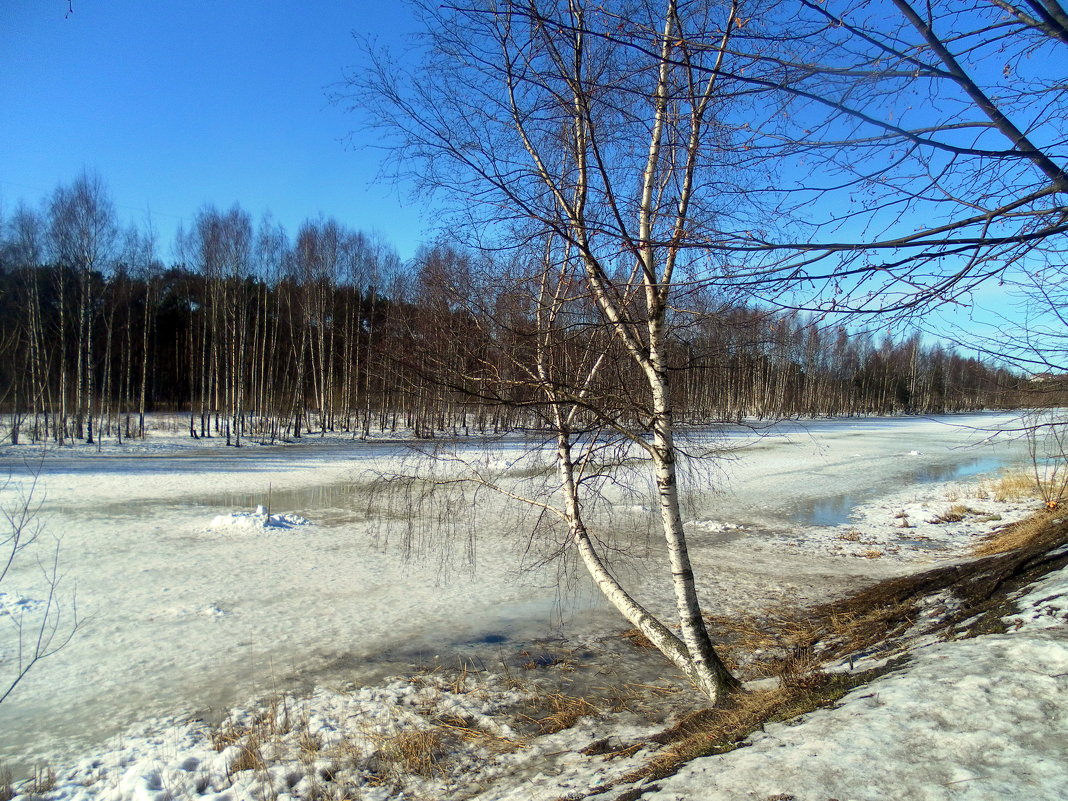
x=259 y=520
x=978 y=719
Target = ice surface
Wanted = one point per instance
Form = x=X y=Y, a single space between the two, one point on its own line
x=180 y=620
x=975 y=719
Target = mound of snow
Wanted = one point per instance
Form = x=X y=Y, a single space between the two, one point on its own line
x=258 y=521
x=716 y=526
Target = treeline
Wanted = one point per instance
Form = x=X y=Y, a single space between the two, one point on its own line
x=254 y=334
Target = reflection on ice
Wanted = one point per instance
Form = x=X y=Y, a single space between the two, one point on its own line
x=837 y=510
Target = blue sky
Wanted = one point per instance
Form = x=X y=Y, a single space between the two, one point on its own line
x=177 y=105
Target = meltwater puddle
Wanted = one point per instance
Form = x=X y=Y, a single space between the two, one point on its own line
x=837 y=509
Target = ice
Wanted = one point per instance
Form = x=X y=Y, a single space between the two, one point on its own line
x=974 y=719
x=180 y=619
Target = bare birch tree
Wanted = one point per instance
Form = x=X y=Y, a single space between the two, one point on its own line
x=919 y=147
x=534 y=119
x=83 y=234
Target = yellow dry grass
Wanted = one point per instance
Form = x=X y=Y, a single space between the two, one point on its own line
x=637 y=639
x=1017 y=535
x=558 y=711
x=415 y=751
x=1014 y=486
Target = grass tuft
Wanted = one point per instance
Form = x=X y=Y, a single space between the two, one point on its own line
x=1014 y=486
x=637 y=639
x=416 y=751
x=1016 y=535
x=557 y=711
x=956 y=513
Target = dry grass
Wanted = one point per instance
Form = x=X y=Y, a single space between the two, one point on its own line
x=954 y=514
x=557 y=711
x=43 y=780
x=466 y=730
x=902 y=518
x=717 y=731
x=1048 y=484
x=1013 y=486
x=637 y=639
x=266 y=728
x=249 y=756
x=1018 y=535
x=416 y=752
x=424 y=750
x=775 y=629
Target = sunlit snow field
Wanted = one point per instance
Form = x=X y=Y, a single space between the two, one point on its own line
x=187 y=610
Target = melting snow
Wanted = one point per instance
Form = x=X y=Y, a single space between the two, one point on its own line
x=259 y=520
x=173 y=613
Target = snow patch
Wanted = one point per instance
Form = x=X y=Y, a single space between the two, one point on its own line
x=915 y=525
x=1044 y=604
x=257 y=521
x=971 y=719
x=716 y=526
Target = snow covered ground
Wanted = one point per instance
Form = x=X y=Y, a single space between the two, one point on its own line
x=187 y=610
x=974 y=719
x=985 y=718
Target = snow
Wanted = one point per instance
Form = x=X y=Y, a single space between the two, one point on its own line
x=973 y=719
x=977 y=719
x=192 y=604
x=1045 y=603
x=258 y=520
x=16 y=607
x=913 y=524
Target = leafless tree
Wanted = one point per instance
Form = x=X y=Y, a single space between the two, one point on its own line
x=83 y=235
x=920 y=149
x=535 y=119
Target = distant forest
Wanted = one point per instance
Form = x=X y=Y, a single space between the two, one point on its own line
x=254 y=334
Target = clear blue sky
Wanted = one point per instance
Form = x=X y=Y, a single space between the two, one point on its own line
x=176 y=105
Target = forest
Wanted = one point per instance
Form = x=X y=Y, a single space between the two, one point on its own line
x=254 y=334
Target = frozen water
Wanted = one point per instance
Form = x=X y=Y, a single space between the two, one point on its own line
x=179 y=618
